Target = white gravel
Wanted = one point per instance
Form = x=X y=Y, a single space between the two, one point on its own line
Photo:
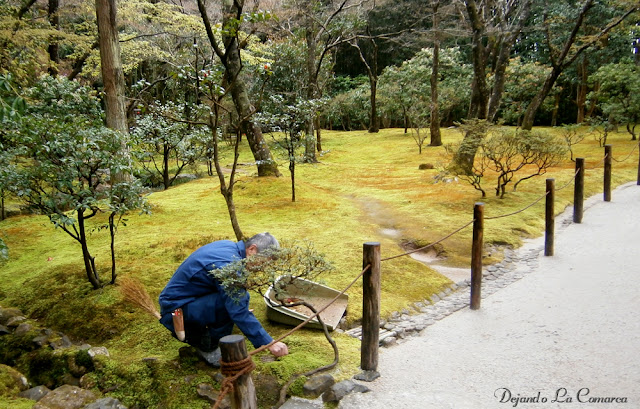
x=566 y=333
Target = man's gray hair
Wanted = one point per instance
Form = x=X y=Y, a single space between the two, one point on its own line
x=263 y=241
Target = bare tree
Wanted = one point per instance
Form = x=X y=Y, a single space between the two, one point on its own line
x=228 y=52
x=568 y=54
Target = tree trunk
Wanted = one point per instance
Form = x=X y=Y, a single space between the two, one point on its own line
x=374 y=124
x=436 y=137
x=53 y=47
x=530 y=113
x=89 y=263
x=556 y=109
x=479 y=95
x=502 y=61
x=558 y=66
x=165 y=166
x=240 y=96
x=112 y=232
x=581 y=96
x=318 y=135
x=111 y=65
x=312 y=84
x=292 y=171
x=232 y=62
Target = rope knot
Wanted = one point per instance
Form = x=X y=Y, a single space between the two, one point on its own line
x=232 y=371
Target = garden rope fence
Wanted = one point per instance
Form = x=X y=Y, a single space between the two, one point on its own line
x=234 y=370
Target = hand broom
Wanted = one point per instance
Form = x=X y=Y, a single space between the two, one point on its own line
x=135 y=293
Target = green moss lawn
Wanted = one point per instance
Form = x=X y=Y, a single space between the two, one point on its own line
x=363 y=184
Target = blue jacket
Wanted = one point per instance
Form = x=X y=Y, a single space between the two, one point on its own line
x=209 y=304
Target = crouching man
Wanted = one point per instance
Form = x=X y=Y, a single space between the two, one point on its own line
x=195 y=299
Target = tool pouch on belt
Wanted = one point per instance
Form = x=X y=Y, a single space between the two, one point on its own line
x=178 y=324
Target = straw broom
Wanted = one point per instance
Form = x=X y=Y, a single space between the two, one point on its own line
x=135 y=293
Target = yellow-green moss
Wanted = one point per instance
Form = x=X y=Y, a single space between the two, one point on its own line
x=363 y=183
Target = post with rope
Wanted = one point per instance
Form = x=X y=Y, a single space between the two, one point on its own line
x=237 y=363
x=370 y=307
x=578 y=192
x=549 y=218
x=607 y=172
x=476 y=255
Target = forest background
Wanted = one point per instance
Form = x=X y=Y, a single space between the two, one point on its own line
x=102 y=103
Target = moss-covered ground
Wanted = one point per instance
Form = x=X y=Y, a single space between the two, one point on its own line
x=363 y=184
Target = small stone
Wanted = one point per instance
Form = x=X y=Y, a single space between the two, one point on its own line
x=367 y=376
x=95 y=351
x=389 y=341
x=4 y=330
x=15 y=321
x=66 y=396
x=106 y=403
x=7 y=313
x=35 y=393
x=342 y=389
x=23 y=328
x=317 y=385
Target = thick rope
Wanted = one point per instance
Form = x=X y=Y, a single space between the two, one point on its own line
x=518 y=211
x=570 y=180
x=628 y=156
x=428 y=245
x=262 y=348
x=232 y=371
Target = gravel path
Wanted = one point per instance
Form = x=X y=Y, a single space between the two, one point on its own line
x=565 y=334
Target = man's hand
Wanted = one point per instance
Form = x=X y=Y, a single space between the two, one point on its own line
x=279 y=349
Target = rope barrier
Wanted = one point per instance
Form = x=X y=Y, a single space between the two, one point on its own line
x=628 y=156
x=233 y=370
x=518 y=211
x=570 y=180
x=262 y=348
x=428 y=245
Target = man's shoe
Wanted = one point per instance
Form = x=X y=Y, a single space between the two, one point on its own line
x=212 y=358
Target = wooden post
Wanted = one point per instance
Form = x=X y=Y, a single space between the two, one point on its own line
x=476 y=255
x=607 y=172
x=578 y=191
x=370 y=307
x=549 y=218
x=638 y=182
x=233 y=349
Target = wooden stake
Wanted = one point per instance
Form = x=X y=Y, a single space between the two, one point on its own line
x=370 y=307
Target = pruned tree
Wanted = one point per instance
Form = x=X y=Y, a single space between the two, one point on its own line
x=510 y=152
x=572 y=135
x=164 y=147
x=62 y=162
x=286 y=123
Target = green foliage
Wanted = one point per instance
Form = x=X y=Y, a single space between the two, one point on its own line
x=11 y=103
x=405 y=91
x=4 y=251
x=62 y=158
x=618 y=93
x=524 y=79
x=258 y=272
x=161 y=141
x=509 y=152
